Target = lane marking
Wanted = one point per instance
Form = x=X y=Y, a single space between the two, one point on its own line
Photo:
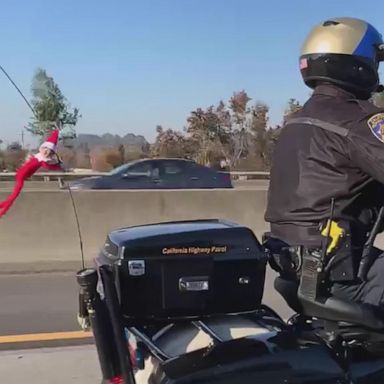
x=45 y=337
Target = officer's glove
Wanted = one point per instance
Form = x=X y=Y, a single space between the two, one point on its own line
x=275 y=250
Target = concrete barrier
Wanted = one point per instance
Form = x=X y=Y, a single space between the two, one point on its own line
x=40 y=233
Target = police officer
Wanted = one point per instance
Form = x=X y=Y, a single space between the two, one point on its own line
x=331 y=153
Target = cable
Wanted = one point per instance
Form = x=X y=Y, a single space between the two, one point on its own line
x=78 y=226
x=18 y=90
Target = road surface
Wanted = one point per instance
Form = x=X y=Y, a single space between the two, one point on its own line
x=69 y=365
x=47 y=302
x=39 y=311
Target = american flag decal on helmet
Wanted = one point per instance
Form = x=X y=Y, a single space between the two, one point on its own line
x=303 y=63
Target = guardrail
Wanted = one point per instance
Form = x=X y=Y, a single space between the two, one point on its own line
x=49 y=176
x=250 y=175
x=65 y=176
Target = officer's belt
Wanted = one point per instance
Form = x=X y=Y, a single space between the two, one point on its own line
x=342 y=131
x=296 y=235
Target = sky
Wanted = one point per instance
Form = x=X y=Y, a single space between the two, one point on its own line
x=131 y=65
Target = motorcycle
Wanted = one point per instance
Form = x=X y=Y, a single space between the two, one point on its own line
x=181 y=302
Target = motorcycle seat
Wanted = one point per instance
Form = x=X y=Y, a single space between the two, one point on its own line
x=330 y=308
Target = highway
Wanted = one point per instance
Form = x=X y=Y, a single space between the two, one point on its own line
x=40 y=340
x=35 y=303
x=32 y=304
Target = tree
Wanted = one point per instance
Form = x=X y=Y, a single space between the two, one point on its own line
x=221 y=131
x=2 y=161
x=14 y=146
x=98 y=160
x=135 y=155
x=171 y=143
x=262 y=137
x=113 y=157
x=272 y=135
x=239 y=127
x=203 y=132
x=293 y=106
x=68 y=156
x=105 y=158
x=121 y=150
x=378 y=99
x=259 y=127
x=51 y=108
x=236 y=131
x=83 y=160
x=145 y=148
x=14 y=156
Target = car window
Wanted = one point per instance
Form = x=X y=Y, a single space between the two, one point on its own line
x=172 y=168
x=119 y=170
x=143 y=169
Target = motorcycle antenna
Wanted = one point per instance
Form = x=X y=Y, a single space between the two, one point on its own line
x=18 y=90
x=69 y=188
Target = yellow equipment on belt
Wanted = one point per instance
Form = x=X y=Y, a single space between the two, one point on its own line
x=335 y=233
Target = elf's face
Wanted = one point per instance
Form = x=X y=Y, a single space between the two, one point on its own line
x=46 y=152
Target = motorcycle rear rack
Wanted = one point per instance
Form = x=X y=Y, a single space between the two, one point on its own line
x=110 y=325
x=258 y=317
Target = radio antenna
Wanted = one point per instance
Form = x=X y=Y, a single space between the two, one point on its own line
x=69 y=188
x=18 y=90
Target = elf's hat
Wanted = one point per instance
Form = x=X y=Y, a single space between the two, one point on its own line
x=52 y=140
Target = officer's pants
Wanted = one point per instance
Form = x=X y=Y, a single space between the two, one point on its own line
x=370 y=292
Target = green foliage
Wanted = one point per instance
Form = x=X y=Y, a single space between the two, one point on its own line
x=14 y=146
x=378 y=99
x=51 y=107
x=221 y=131
x=121 y=150
x=170 y=143
x=13 y=156
x=237 y=131
x=293 y=107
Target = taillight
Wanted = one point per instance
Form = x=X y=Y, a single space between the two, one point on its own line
x=132 y=355
x=136 y=356
x=116 y=380
x=135 y=351
x=226 y=177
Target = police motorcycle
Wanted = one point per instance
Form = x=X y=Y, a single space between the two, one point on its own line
x=181 y=302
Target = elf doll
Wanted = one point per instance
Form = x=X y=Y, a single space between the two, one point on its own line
x=47 y=158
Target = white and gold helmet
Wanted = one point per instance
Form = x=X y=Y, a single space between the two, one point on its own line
x=344 y=51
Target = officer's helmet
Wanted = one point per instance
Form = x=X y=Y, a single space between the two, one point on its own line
x=344 y=51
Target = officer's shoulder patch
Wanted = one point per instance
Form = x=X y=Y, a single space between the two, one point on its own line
x=376 y=125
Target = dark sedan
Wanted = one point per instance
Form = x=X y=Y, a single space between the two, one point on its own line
x=157 y=174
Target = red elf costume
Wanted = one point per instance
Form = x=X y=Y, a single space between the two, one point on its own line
x=46 y=158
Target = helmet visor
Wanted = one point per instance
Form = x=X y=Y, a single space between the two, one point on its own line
x=380 y=53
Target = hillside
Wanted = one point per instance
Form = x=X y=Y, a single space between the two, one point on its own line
x=108 y=140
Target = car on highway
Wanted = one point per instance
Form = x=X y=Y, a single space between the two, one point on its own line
x=156 y=174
